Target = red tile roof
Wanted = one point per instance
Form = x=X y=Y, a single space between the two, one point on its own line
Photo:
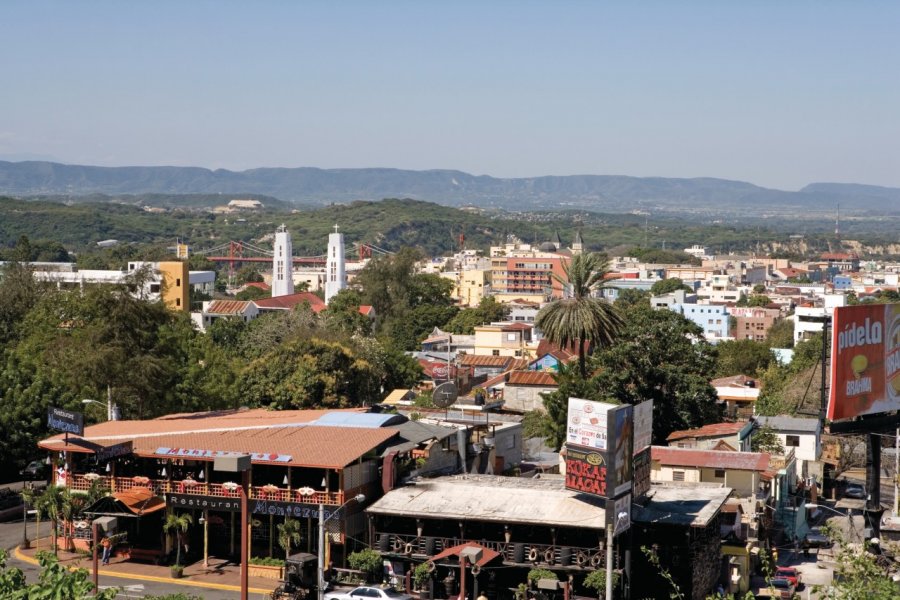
x=546 y=347
x=714 y=430
x=733 y=381
x=711 y=459
x=227 y=307
x=537 y=378
x=289 y=301
x=259 y=285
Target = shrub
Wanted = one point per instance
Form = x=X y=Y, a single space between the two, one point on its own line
x=266 y=561
x=596 y=580
x=367 y=560
x=421 y=575
x=535 y=574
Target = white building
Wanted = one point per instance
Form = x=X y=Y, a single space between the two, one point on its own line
x=335 y=274
x=803 y=436
x=282 y=264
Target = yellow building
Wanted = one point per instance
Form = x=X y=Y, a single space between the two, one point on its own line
x=175 y=284
x=503 y=339
x=469 y=287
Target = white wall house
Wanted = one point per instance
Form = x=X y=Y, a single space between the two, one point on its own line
x=803 y=436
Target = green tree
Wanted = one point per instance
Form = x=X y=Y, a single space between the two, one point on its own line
x=667 y=286
x=55 y=582
x=569 y=384
x=367 y=560
x=596 y=580
x=758 y=300
x=342 y=314
x=581 y=319
x=289 y=534
x=742 y=357
x=659 y=355
x=765 y=439
x=252 y=293
x=487 y=311
x=176 y=524
x=781 y=334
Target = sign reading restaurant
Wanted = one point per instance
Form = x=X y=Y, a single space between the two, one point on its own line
x=195 y=453
x=297 y=510
x=67 y=421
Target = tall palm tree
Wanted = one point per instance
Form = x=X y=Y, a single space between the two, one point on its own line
x=289 y=533
x=51 y=502
x=174 y=524
x=580 y=318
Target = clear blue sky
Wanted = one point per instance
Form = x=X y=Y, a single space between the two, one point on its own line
x=776 y=93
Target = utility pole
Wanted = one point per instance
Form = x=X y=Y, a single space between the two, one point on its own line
x=897 y=473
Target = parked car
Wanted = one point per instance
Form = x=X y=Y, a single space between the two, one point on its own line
x=791 y=574
x=368 y=592
x=816 y=539
x=783 y=587
x=36 y=469
x=855 y=490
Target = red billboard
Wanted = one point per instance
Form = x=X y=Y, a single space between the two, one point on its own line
x=865 y=361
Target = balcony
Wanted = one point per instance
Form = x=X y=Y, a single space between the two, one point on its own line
x=513 y=553
x=220 y=490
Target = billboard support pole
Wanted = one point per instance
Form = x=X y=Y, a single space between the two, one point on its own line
x=897 y=473
x=826 y=344
x=873 y=483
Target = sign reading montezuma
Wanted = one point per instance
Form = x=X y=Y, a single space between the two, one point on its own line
x=586 y=470
x=192 y=453
x=298 y=510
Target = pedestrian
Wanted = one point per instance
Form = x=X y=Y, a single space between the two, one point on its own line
x=720 y=591
x=106 y=545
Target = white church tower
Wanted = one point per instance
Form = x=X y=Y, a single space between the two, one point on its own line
x=335 y=275
x=282 y=264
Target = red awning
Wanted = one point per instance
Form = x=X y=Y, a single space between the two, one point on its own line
x=487 y=555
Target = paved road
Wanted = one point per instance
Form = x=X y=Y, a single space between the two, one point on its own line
x=11 y=536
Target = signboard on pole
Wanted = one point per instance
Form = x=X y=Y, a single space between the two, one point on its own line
x=604 y=466
x=615 y=508
x=865 y=361
x=68 y=421
x=641 y=473
x=643 y=425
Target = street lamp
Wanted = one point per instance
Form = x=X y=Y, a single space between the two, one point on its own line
x=321 y=571
x=610 y=536
x=111 y=409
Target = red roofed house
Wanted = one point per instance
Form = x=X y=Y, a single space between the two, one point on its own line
x=227 y=309
x=289 y=301
x=740 y=471
x=711 y=437
x=524 y=388
x=739 y=394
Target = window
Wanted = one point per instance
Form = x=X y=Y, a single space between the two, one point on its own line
x=178 y=282
x=177 y=301
x=792 y=441
x=677 y=475
x=720 y=474
x=495 y=352
x=511 y=337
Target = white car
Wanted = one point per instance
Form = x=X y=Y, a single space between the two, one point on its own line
x=368 y=593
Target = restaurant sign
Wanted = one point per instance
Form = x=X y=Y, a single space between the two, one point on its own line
x=109 y=452
x=297 y=510
x=587 y=471
x=68 y=421
x=194 y=453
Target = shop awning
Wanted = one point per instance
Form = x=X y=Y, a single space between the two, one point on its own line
x=487 y=555
x=136 y=502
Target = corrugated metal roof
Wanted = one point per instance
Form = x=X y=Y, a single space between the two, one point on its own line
x=713 y=430
x=227 y=307
x=711 y=459
x=536 y=378
x=360 y=419
x=692 y=506
x=787 y=423
x=479 y=360
x=495 y=499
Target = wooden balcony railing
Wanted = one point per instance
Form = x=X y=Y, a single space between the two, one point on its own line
x=200 y=488
x=513 y=553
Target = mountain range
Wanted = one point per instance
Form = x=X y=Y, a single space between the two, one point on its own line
x=312 y=186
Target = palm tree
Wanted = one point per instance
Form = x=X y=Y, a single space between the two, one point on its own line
x=51 y=502
x=289 y=533
x=177 y=523
x=581 y=318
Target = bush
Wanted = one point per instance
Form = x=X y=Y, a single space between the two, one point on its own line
x=535 y=574
x=266 y=561
x=367 y=560
x=596 y=581
x=421 y=575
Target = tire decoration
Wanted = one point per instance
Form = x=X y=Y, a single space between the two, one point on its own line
x=408 y=549
x=431 y=567
x=581 y=559
x=549 y=556
x=596 y=560
x=476 y=569
x=532 y=554
x=397 y=545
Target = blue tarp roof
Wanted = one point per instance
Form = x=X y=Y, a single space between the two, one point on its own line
x=368 y=420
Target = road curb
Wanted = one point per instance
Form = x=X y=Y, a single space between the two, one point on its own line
x=138 y=577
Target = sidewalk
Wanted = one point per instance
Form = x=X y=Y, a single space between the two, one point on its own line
x=220 y=575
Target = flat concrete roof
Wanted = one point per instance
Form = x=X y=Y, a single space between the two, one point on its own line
x=686 y=506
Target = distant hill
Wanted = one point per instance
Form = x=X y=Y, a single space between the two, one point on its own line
x=605 y=193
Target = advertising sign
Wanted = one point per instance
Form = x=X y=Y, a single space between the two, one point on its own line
x=865 y=361
x=297 y=510
x=587 y=471
x=641 y=473
x=68 y=421
x=109 y=452
x=621 y=420
x=643 y=425
x=199 y=453
x=587 y=423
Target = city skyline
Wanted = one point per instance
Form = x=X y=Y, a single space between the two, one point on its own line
x=775 y=95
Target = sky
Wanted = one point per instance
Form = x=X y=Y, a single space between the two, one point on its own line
x=777 y=93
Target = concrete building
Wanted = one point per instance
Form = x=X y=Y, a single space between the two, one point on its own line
x=803 y=436
x=335 y=273
x=524 y=390
x=718 y=436
x=503 y=339
x=282 y=264
x=753 y=323
x=741 y=471
x=713 y=319
x=739 y=394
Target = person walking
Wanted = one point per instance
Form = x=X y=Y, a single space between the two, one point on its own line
x=106 y=545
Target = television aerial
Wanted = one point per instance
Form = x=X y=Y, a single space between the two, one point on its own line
x=445 y=394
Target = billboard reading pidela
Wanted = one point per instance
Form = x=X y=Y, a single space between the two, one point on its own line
x=865 y=356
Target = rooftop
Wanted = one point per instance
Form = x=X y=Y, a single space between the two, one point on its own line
x=685 y=506
x=227 y=307
x=536 y=378
x=289 y=301
x=496 y=499
x=712 y=459
x=787 y=423
x=713 y=430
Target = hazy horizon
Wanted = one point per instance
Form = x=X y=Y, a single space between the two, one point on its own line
x=771 y=94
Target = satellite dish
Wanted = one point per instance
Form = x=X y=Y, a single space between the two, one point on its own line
x=445 y=394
